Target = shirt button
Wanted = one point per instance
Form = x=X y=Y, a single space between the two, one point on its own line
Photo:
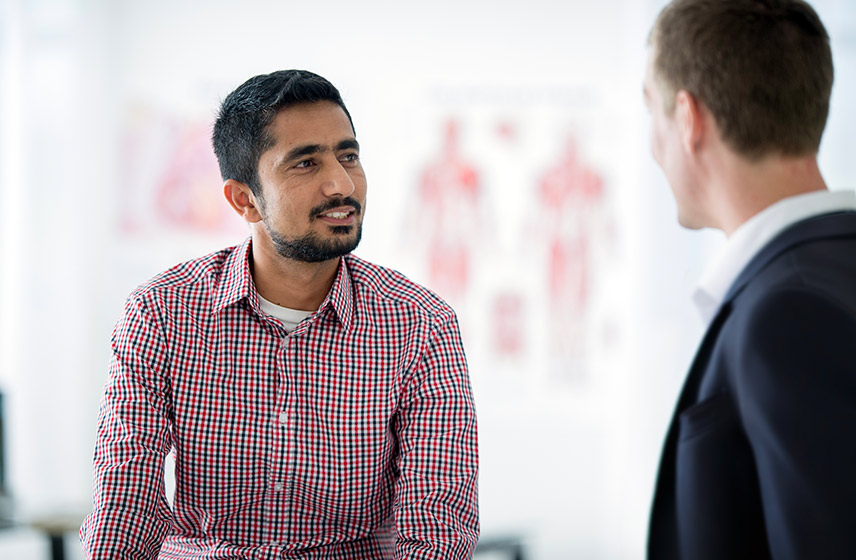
x=278 y=487
x=283 y=418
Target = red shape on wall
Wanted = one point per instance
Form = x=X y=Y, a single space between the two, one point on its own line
x=449 y=196
x=508 y=324
x=188 y=195
x=173 y=177
x=571 y=199
x=568 y=196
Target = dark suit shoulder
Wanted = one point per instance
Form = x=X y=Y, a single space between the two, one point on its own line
x=794 y=316
x=824 y=267
x=788 y=337
x=799 y=308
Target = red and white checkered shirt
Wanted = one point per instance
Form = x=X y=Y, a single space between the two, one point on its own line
x=351 y=437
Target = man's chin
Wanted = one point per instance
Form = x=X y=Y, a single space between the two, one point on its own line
x=341 y=250
x=315 y=250
x=342 y=231
x=318 y=246
x=343 y=240
x=690 y=222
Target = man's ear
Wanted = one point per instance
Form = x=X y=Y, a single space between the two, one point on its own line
x=242 y=199
x=691 y=125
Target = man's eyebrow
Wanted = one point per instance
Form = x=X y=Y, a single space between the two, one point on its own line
x=350 y=144
x=300 y=151
x=309 y=149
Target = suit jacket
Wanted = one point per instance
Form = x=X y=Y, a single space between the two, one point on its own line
x=760 y=459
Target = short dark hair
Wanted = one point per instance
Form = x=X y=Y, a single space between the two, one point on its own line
x=241 y=131
x=762 y=67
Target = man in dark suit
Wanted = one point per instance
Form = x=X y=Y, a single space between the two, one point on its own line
x=760 y=458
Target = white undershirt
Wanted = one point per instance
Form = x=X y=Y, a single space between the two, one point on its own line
x=753 y=235
x=289 y=318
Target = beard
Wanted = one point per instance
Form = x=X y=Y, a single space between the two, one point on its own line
x=311 y=248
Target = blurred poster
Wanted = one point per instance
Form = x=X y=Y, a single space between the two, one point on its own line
x=449 y=199
x=515 y=229
x=172 y=180
x=573 y=226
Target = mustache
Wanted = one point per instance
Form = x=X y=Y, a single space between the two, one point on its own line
x=335 y=203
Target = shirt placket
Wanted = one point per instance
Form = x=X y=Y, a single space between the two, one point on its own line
x=281 y=425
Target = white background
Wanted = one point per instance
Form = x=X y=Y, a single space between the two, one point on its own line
x=567 y=461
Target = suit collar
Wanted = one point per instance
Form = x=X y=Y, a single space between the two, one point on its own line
x=826 y=226
x=754 y=234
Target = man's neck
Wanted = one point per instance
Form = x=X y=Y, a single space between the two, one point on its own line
x=289 y=283
x=746 y=188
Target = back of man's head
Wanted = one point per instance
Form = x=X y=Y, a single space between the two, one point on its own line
x=241 y=130
x=762 y=67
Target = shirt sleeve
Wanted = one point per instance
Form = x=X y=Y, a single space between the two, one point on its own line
x=131 y=516
x=436 y=504
x=797 y=398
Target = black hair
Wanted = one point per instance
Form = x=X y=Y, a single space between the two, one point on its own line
x=241 y=131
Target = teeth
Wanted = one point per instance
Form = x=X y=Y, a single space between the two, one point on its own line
x=337 y=215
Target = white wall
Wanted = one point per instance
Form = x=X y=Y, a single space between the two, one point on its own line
x=96 y=93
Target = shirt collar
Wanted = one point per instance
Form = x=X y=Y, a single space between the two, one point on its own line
x=236 y=283
x=341 y=295
x=753 y=235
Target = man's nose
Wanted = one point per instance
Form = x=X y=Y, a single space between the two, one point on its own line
x=336 y=181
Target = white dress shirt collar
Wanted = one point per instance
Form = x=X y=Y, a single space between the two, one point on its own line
x=752 y=236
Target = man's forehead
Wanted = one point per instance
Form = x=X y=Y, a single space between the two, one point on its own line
x=323 y=123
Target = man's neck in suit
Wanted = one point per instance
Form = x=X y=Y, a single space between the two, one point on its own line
x=740 y=188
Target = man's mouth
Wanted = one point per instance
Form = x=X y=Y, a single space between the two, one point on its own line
x=338 y=216
x=341 y=212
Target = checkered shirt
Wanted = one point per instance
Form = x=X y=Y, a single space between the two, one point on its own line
x=351 y=437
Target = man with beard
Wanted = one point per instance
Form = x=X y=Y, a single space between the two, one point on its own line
x=760 y=460
x=318 y=406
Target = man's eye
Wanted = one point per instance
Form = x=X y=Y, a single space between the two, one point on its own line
x=305 y=163
x=350 y=157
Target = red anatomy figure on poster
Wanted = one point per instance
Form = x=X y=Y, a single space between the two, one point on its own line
x=570 y=198
x=449 y=197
